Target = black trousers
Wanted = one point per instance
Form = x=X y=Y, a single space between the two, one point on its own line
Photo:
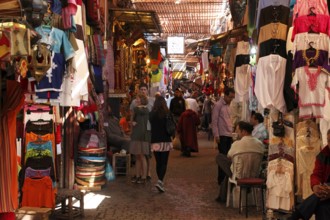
x=313 y=205
x=161 y=163
x=223 y=147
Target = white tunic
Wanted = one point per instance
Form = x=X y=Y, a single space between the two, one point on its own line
x=270 y=81
x=242 y=83
x=312 y=85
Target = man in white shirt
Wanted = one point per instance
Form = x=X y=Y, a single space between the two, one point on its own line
x=191 y=103
x=259 y=129
x=246 y=144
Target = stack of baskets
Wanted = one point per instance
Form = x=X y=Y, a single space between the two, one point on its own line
x=90 y=166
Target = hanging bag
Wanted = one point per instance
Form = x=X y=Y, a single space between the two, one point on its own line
x=278 y=126
x=170 y=125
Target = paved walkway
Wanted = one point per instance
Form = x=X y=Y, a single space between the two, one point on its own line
x=191 y=189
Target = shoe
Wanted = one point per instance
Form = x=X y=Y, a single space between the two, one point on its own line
x=141 y=181
x=160 y=186
x=135 y=179
x=219 y=200
x=148 y=178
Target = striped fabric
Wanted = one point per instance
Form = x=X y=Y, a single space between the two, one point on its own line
x=13 y=101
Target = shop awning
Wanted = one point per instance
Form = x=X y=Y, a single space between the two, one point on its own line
x=146 y=21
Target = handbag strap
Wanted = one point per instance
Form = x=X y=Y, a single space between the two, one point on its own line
x=280 y=118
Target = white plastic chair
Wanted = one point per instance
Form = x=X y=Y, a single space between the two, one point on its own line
x=245 y=165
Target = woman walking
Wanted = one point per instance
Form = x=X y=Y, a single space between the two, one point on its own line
x=161 y=142
x=140 y=138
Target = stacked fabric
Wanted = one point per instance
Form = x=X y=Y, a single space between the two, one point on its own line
x=90 y=166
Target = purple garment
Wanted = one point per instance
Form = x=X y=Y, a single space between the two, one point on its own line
x=322 y=60
x=221 y=122
x=32 y=173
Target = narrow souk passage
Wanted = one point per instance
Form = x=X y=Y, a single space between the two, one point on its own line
x=191 y=189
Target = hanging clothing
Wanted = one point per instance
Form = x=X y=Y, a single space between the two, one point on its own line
x=265 y=3
x=312 y=85
x=302 y=40
x=242 y=83
x=13 y=101
x=272 y=13
x=303 y=7
x=317 y=24
x=275 y=30
x=272 y=46
x=270 y=81
x=279 y=187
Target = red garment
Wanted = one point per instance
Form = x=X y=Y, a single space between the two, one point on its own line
x=321 y=172
x=38 y=192
x=7 y=216
x=187 y=128
x=317 y=24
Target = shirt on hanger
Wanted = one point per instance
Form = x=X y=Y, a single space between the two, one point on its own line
x=303 y=41
x=272 y=46
x=312 y=85
x=265 y=3
x=269 y=82
x=274 y=14
x=303 y=7
x=316 y=24
x=273 y=31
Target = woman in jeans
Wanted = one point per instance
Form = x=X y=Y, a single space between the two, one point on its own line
x=161 y=142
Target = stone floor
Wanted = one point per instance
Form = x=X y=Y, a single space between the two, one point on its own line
x=191 y=189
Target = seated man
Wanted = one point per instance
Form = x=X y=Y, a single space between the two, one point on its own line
x=116 y=138
x=319 y=202
x=259 y=129
x=246 y=144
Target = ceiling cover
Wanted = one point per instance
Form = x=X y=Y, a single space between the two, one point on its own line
x=192 y=19
x=147 y=21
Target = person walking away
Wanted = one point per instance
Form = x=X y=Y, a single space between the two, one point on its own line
x=161 y=142
x=143 y=88
x=192 y=103
x=222 y=128
x=178 y=105
x=140 y=138
x=206 y=111
x=187 y=130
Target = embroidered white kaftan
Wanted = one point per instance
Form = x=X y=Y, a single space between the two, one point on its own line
x=312 y=85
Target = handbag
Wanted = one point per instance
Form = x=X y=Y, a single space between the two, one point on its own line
x=176 y=142
x=170 y=125
x=278 y=126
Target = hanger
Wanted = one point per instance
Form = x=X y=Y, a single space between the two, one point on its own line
x=311 y=31
x=311 y=48
x=311 y=11
x=275 y=46
x=39 y=140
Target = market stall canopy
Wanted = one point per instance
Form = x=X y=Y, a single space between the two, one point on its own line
x=193 y=19
x=145 y=21
x=9 y=8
